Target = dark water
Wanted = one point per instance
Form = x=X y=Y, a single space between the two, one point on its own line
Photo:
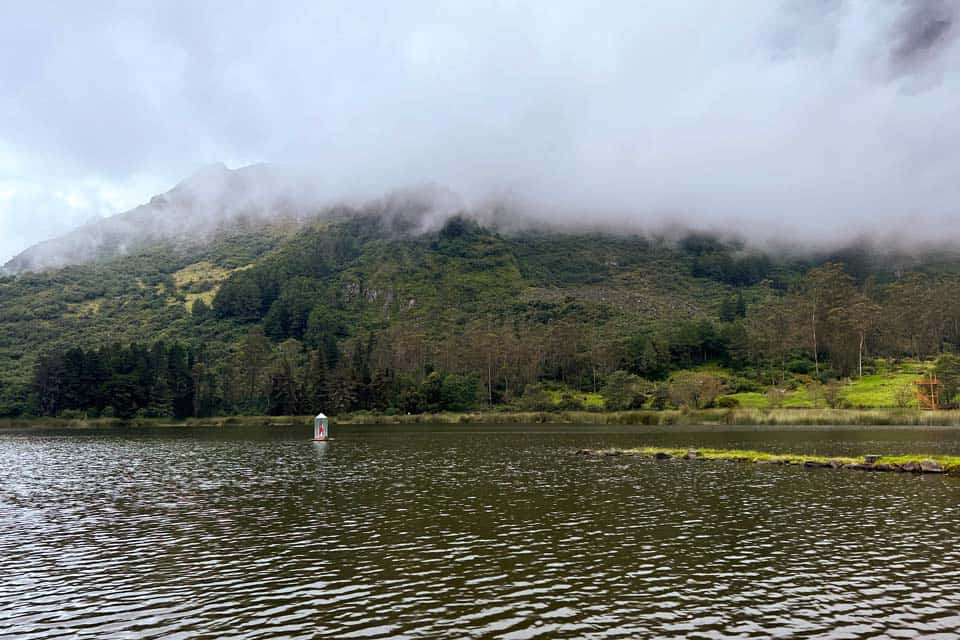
x=457 y=532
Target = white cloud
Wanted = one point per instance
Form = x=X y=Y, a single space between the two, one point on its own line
x=814 y=117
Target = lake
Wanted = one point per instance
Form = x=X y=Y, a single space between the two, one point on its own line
x=470 y=532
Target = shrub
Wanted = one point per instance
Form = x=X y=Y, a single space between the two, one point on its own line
x=775 y=397
x=536 y=398
x=815 y=392
x=799 y=365
x=570 y=402
x=727 y=402
x=831 y=394
x=903 y=395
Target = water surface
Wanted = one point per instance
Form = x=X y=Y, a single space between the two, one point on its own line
x=470 y=532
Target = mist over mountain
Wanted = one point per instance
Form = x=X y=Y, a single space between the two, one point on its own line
x=189 y=213
x=809 y=122
x=218 y=200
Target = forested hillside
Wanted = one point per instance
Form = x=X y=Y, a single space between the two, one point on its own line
x=362 y=312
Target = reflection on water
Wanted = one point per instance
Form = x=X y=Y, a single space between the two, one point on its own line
x=469 y=532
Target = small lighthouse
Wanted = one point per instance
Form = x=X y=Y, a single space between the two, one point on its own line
x=321 y=427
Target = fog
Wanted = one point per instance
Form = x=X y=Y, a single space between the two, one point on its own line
x=808 y=121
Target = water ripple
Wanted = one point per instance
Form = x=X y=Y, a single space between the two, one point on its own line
x=465 y=534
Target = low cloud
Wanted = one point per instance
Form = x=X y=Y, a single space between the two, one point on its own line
x=814 y=121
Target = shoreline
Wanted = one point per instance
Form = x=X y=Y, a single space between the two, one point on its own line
x=679 y=417
x=215 y=421
x=669 y=417
x=911 y=463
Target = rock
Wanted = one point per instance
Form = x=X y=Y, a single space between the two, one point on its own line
x=859 y=466
x=835 y=464
x=660 y=455
x=883 y=466
x=584 y=452
x=768 y=461
x=871 y=459
x=692 y=454
x=815 y=463
x=931 y=466
x=611 y=454
x=910 y=467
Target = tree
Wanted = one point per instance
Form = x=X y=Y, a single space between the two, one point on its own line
x=733 y=307
x=289 y=314
x=772 y=334
x=48 y=383
x=833 y=394
x=855 y=317
x=239 y=297
x=947 y=370
x=200 y=310
x=623 y=391
x=316 y=385
x=823 y=294
x=204 y=390
x=694 y=389
x=254 y=358
x=647 y=356
x=286 y=384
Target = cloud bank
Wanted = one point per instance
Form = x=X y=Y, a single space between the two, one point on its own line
x=804 y=119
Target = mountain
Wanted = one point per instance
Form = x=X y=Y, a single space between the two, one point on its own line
x=347 y=280
x=228 y=296
x=191 y=212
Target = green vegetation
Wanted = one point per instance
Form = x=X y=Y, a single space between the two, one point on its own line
x=666 y=417
x=362 y=313
x=882 y=390
x=947 y=464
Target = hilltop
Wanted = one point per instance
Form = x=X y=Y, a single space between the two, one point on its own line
x=193 y=212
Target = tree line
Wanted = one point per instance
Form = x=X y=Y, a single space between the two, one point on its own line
x=302 y=352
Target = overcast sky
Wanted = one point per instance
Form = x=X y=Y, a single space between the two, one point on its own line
x=817 y=117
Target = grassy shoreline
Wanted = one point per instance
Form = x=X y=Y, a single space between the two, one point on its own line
x=784 y=417
x=909 y=463
x=216 y=421
x=747 y=417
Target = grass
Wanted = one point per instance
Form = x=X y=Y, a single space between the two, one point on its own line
x=873 y=391
x=750 y=399
x=197 y=274
x=745 y=455
x=759 y=417
x=950 y=464
x=878 y=390
x=781 y=417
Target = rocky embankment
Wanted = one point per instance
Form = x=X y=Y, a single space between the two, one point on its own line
x=897 y=464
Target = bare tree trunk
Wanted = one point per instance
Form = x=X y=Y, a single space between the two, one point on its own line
x=489 y=381
x=860 y=356
x=816 y=357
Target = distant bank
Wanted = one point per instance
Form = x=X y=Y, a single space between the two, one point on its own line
x=785 y=417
